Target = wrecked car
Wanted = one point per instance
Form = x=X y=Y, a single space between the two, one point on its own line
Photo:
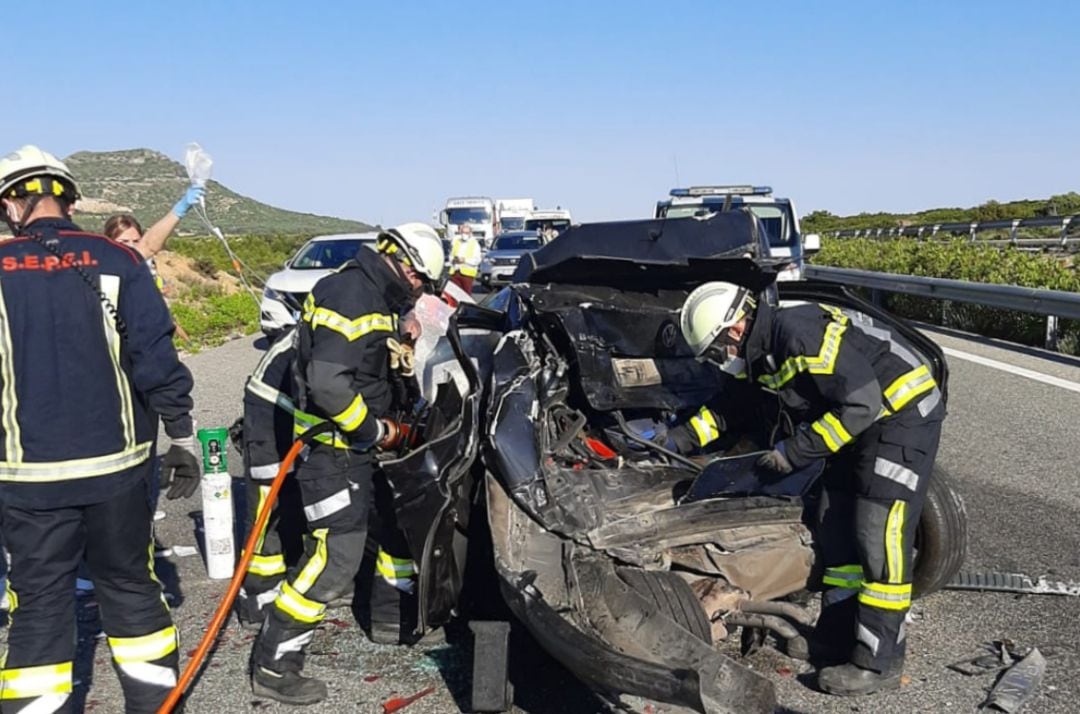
x=627 y=562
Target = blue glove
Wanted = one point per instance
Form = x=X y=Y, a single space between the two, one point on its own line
x=192 y=196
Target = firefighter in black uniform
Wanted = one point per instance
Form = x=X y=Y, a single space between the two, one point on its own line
x=342 y=371
x=267 y=434
x=864 y=400
x=87 y=366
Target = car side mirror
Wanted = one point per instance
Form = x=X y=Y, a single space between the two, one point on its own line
x=811 y=243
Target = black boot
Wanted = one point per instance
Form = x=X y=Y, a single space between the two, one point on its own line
x=849 y=680
x=288 y=687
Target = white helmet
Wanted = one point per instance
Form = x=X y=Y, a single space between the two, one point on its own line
x=421 y=246
x=33 y=172
x=711 y=309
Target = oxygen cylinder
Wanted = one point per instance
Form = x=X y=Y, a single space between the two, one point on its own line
x=217 y=504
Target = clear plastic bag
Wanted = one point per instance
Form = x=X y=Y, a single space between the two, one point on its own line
x=198 y=163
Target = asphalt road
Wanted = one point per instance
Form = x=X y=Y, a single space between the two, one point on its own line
x=1009 y=444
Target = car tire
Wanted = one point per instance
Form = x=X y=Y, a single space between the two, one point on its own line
x=940 y=537
x=672 y=596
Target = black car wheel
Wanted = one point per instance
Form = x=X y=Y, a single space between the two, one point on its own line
x=672 y=596
x=940 y=538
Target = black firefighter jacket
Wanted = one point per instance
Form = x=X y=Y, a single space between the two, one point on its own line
x=82 y=390
x=342 y=364
x=834 y=372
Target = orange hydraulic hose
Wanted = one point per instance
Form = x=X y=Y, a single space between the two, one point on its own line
x=238 y=577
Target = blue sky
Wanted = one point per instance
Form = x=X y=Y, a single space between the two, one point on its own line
x=379 y=111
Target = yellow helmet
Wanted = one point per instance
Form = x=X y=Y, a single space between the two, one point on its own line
x=711 y=309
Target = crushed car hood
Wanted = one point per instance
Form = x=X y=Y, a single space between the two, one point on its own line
x=655 y=252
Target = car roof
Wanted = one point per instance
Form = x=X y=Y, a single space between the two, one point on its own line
x=369 y=236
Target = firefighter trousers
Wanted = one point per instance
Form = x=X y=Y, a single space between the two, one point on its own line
x=278 y=545
x=336 y=490
x=874 y=491
x=46 y=547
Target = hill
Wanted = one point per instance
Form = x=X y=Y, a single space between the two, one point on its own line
x=147 y=183
x=1061 y=205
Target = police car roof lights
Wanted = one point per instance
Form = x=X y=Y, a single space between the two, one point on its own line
x=742 y=190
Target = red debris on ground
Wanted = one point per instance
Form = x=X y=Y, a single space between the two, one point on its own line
x=371 y=678
x=396 y=704
x=336 y=622
x=784 y=671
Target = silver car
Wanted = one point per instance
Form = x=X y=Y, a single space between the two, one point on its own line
x=501 y=260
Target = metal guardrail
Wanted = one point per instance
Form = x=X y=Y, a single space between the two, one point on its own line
x=1053 y=304
x=971 y=228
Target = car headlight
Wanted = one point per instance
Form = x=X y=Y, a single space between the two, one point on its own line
x=271 y=294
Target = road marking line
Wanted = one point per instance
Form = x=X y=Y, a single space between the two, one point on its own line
x=1012 y=369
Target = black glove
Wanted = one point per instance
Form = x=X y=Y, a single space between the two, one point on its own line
x=775 y=461
x=180 y=468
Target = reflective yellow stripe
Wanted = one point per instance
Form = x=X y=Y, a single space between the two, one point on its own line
x=394 y=568
x=264 y=493
x=29 y=682
x=908 y=386
x=110 y=286
x=315 y=565
x=822 y=363
x=12 y=440
x=266 y=565
x=844 y=576
x=146 y=648
x=302 y=421
x=894 y=541
x=831 y=431
x=297 y=606
x=468 y=271
x=47 y=471
x=267 y=393
x=351 y=329
x=704 y=424
x=13 y=601
x=353 y=415
x=885 y=596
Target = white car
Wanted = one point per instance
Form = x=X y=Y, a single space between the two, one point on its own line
x=286 y=289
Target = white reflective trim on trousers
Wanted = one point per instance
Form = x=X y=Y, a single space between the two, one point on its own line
x=264 y=599
x=147 y=673
x=896 y=472
x=46 y=704
x=901 y=635
x=267 y=472
x=296 y=644
x=868 y=638
x=328 y=506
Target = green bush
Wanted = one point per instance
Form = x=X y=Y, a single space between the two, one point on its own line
x=211 y=317
x=262 y=254
x=963 y=260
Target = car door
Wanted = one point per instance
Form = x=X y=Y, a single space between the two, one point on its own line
x=432 y=483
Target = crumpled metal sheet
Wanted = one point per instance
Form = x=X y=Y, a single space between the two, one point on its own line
x=1018 y=684
x=1011 y=583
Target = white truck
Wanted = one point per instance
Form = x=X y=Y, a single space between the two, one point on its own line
x=778 y=215
x=477 y=215
x=548 y=222
x=513 y=212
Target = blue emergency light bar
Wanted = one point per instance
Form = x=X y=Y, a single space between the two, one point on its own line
x=721 y=191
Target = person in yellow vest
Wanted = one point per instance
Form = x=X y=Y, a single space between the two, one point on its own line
x=465 y=257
